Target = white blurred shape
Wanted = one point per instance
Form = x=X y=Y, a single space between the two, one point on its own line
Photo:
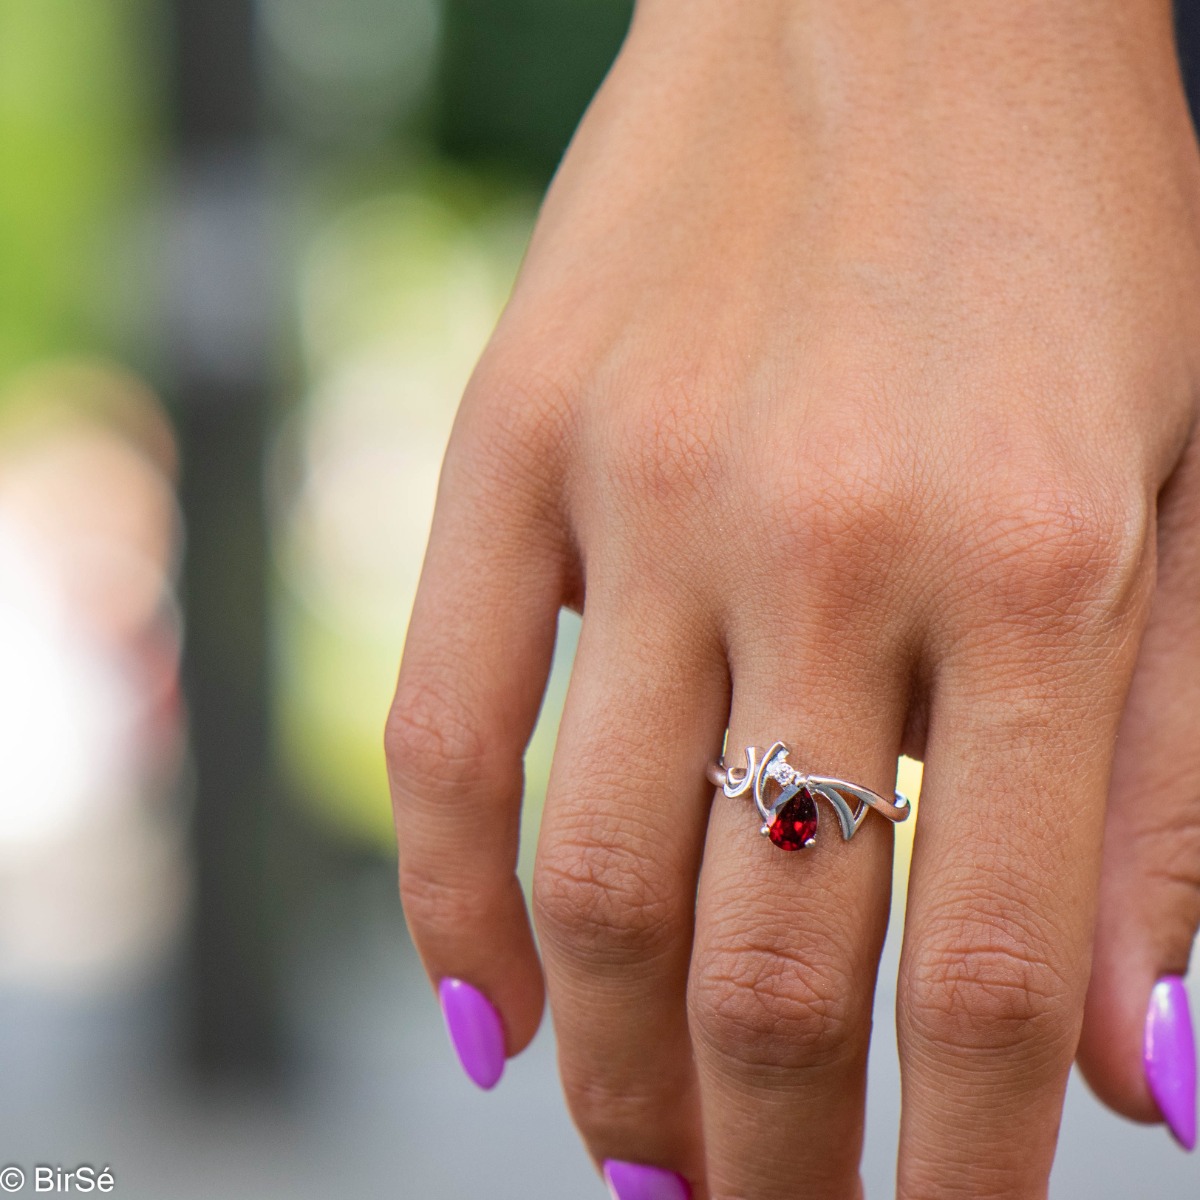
x=398 y=298
x=91 y=873
x=62 y=714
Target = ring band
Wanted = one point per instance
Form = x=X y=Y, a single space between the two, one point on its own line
x=790 y=817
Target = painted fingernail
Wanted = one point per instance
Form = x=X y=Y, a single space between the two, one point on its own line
x=1169 y=1055
x=632 y=1181
x=476 y=1031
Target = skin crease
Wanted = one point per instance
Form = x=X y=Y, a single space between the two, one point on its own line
x=848 y=389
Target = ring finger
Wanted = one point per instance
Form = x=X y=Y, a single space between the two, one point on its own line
x=787 y=944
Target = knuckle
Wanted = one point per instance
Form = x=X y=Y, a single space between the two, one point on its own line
x=977 y=990
x=599 y=903
x=1168 y=855
x=1058 y=553
x=760 y=1008
x=516 y=411
x=844 y=517
x=432 y=741
x=606 y=1104
x=528 y=396
x=666 y=453
x=436 y=906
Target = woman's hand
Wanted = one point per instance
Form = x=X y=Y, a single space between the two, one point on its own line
x=849 y=389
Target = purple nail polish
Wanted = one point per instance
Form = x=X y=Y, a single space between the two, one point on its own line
x=1169 y=1055
x=476 y=1031
x=633 y=1181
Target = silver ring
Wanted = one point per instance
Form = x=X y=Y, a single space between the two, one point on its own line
x=790 y=816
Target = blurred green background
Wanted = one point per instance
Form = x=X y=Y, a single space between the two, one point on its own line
x=249 y=253
x=401 y=147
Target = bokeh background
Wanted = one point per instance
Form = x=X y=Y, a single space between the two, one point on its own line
x=249 y=251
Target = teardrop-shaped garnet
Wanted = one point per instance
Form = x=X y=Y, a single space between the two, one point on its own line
x=795 y=824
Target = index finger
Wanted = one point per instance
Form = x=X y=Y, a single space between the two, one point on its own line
x=475 y=665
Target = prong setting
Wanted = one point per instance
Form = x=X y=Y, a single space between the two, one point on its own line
x=790 y=819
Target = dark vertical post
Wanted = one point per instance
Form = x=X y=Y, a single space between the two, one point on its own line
x=219 y=317
x=1187 y=33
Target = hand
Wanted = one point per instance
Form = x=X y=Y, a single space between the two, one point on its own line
x=849 y=389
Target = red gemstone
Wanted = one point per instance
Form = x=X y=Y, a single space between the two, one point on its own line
x=795 y=824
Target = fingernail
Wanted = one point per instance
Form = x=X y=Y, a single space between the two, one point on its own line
x=476 y=1031
x=1169 y=1054
x=632 y=1181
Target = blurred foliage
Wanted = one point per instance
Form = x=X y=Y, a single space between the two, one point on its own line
x=516 y=76
x=398 y=292
x=401 y=265
x=346 y=76
x=76 y=120
x=401 y=282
